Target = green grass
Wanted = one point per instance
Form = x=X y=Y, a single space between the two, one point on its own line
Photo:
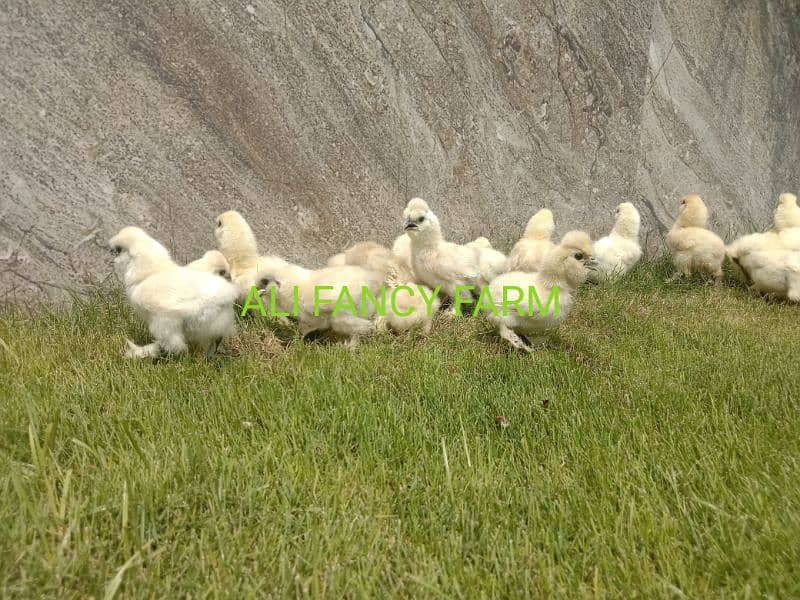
x=651 y=450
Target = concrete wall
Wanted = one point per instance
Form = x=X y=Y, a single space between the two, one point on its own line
x=318 y=120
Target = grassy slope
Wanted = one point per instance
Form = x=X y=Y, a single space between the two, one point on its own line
x=652 y=449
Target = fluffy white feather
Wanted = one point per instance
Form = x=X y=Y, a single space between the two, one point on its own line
x=182 y=306
x=236 y=241
x=285 y=277
x=408 y=299
x=693 y=247
x=787 y=213
x=479 y=242
x=369 y=255
x=402 y=249
x=773 y=272
x=565 y=267
x=753 y=242
x=619 y=251
x=438 y=263
x=529 y=252
x=213 y=262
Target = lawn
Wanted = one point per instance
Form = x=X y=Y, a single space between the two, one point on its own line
x=651 y=449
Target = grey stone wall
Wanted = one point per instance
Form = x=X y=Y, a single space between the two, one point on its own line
x=318 y=120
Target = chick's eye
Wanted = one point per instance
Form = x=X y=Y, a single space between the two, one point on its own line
x=579 y=255
x=420 y=219
x=116 y=250
x=219 y=222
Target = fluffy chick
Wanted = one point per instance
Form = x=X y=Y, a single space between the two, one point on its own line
x=437 y=263
x=785 y=234
x=213 y=262
x=565 y=267
x=754 y=242
x=762 y=254
x=286 y=277
x=402 y=247
x=787 y=213
x=181 y=306
x=529 y=252
x=236 y=241
x=617 y=252
x=693 y=247
x=370 y=255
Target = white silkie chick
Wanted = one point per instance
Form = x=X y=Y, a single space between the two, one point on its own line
x=693 y=247
x=369 y=255
x=437 y=263
x=236 y=241
x=182 y=306
x=414 y=303
x=285 y=278
x=479 y=242
x=213 y=262
x=566 y=267
x=787 y=213
x=773 y=272
x=768 y=261
x=754 y=242
x=529 y=252
x=617 y=252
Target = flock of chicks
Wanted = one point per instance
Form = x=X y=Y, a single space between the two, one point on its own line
x=193 y=304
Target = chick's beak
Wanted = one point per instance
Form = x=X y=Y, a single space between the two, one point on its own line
x=409 y=224
x=591 y=263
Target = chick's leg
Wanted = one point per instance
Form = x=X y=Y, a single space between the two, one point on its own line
x=428 y=326
x=169 y=334
x=307 y=329
x=466 y=305
x=513 y=339
x=213 y=347
x=353 y=327
x=714 y=269
x=683 y=267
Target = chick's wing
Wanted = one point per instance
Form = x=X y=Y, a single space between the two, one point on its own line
x=457 y=263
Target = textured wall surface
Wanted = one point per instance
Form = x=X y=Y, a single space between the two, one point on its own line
x=318 y=120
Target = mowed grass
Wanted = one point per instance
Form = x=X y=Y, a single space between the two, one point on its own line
x=651 y=450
